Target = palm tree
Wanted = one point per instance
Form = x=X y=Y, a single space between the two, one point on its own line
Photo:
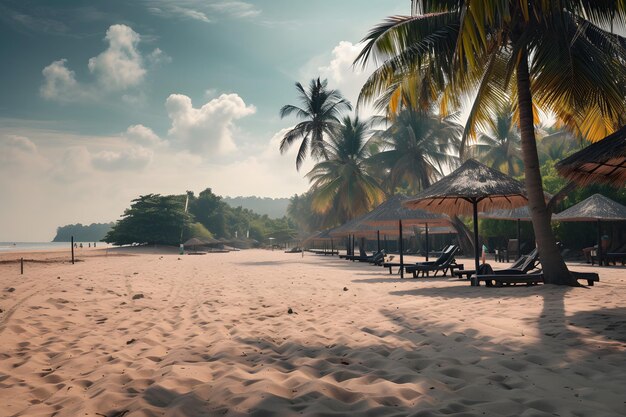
x=500 y=146
x=320 y=113
x=416 y=148
x=343 y=186
x=555 y=54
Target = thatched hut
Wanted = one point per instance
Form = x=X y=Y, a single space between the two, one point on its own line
x=603 y=161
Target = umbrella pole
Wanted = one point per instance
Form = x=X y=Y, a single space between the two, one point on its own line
x=332 y=248
x=401 y=249
x=599 y=251
x=427 y=248
x=386 y=248
x=378 y=240
x=519 y=241
x=476 y=248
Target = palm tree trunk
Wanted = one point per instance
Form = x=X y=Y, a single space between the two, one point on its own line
x=554 y=269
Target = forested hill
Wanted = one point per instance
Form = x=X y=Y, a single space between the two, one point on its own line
x=274 y=207
x=94 y=232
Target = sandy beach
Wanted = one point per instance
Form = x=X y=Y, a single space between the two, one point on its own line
x=123 y=333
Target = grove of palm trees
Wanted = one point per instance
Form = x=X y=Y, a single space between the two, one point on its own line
x=518 y=63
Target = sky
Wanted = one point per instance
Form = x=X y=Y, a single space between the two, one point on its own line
x=103 y=101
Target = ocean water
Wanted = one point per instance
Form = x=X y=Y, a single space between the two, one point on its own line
x=41 y=246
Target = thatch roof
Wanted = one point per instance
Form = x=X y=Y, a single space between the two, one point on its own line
x=519 y=213
x=392 y=210
x=596 y=207
x=347 y=228
x=194 y=241
x=603 y=161
x=472 y=181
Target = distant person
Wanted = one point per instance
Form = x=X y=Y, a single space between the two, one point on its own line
x=606 y=243
x=81 y=245
x=94 y=244
x=89 y=244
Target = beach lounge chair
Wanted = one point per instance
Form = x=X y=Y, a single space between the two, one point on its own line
x=523 y=265
x=444 y=263
x=499 y=280
x=614 y=256
x=392 y=265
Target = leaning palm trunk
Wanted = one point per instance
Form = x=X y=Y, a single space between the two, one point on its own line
x=554 y=269
x=465 y=236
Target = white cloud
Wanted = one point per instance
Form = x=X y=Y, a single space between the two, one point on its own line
x=203 y=10
x=21 y=143
x=60 y=83
x=121 y=65
x=158 y=57
x=208 y=129
x=119 y=68
x=131 y=159
x=340 y=72
x=142 y=135
x=239 y=9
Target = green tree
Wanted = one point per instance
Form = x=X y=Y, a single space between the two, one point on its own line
x=210 y=211
x=152 y=219
x=499 y=146
x=320 y=114
x=342 y=186
x=300 y=211
x=551 y=53
x=416 y=148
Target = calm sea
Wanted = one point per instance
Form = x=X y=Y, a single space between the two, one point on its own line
x=38 y=246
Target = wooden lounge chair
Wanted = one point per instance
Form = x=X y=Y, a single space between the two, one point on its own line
x=499 y=280
x=615 y=256
x=392 y=265
x=444 y=263
x=523 y=265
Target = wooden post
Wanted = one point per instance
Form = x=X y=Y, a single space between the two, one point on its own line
x=427 y=247
x=72 y=250
x=401 y=249
x=476 y=248
x=21 y=266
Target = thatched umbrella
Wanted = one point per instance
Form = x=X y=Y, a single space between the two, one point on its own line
x=603 y=161
x=193 y=242
x=595 y=208
x=392 y=212
x=471 y=188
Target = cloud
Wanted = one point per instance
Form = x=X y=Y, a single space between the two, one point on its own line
x=132 y=159
x=237 y=9
x=202 y=10
x=120 y=66
x=20 y=153
x=338 y=69
x=208 y=129
x=158 y=57
x=60 y=83
x=142 y=135
x=21 y=143
x=342 y=74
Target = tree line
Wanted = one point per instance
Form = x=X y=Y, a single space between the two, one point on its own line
x=173 y=219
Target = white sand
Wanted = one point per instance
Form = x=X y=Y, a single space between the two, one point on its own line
x=211 y=336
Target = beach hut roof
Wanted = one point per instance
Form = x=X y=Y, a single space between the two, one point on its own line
x=194 y=241
x=518 y=213
x=471 y=182
x=596 y=207
x=392 y=210
x=603 y=161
